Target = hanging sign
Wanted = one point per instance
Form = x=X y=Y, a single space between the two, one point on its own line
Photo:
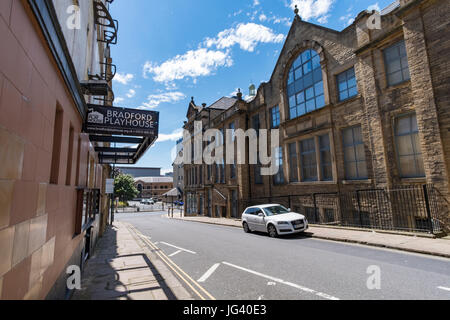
x=113 y=120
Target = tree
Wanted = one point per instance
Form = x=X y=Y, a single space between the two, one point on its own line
x=124 y=187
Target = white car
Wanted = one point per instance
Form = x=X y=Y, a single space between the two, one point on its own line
x=274 y=219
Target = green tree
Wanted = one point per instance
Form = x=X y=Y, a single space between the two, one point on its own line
x=124 y=187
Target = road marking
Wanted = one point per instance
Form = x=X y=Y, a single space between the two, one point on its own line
x=444 y=288
x=317 y=293
x=208 y=273
x=175 y=253
x=182 y=249
x=175 y=268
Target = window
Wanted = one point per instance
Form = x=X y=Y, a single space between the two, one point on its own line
x=354 y=154
x=396 y=61
x=293 y=160
x=329 y=216
x=305 y=85
x=222 y=162
x=69 y=157
x=275 y=117
x=56 y=153
x=279 y=177
x=347 y=84
x=233 y=165
x=234 y=200
x=325 y=157
x=256 y=124
x=308 y=158
x=409 y=153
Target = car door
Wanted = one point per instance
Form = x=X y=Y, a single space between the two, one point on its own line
x=259 y=221
x=250 y=218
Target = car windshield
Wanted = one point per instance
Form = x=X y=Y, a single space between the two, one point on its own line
x=275 y=210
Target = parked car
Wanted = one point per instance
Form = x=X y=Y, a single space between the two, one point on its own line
x=274 y=219
x=147 y=201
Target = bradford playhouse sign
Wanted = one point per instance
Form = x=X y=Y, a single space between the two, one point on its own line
x=113 y=120
x=111 y=125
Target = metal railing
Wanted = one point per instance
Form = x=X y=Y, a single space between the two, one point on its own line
x=407 y=208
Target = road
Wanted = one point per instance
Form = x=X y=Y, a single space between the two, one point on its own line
x=230 y=264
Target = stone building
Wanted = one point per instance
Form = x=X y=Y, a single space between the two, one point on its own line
x=178 y=170
x=153 y=187
x=357 y=109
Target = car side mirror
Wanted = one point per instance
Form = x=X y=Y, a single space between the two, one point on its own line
x=260 y=214
x=289 y=210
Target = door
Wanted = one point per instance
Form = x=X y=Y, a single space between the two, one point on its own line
x=260 y=221
x=250 y=218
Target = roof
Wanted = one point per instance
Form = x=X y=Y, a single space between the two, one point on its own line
x=154 y=179
x=172 y=193
x=265 y=205
x=223 y=103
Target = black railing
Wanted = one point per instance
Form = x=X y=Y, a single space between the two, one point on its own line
x=411 y=208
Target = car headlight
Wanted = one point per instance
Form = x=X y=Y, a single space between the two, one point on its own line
x=283 y=222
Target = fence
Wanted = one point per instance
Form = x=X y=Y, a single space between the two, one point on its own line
x=138 y=207
x=410 y=208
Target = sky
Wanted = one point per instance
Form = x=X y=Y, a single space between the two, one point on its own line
x=169 y=51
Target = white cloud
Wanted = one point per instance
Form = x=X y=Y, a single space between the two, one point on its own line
x=119 y=100
x=164 y=171
x=154 y=100
x=348 y=19
x=194 y=63
x=123 y=78
x=246 y=35
x=131 y=93
x=256 y=3
x=323 y=19
x=262 y=17
x=312 y=9
x=174 y=136
x=374 y=7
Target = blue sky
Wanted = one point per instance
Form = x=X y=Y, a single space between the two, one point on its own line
x=171 y=50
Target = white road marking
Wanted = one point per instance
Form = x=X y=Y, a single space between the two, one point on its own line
x=444 y=288
x=271 y=283
x=182 y=249
x=176 y=252
x=317 y=293
x=208 y=273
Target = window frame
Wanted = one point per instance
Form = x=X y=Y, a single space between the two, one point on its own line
x=310 y=58
x=410 y=133
x=354 y=146
x=347 y=89
x=396 y=45
x=272 y=125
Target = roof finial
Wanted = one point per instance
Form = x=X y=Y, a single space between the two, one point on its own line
x=239 y=94
x=296 y=10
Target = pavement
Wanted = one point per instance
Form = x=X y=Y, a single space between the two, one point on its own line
x=223 y=262
x=124 y=267
x=417 y=243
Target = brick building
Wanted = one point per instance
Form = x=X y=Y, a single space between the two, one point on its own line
x=357 y=109
x=55 y=68
x=153 y=187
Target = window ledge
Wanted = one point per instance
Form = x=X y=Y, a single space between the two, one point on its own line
x=313 y=183
x=365 y=181
x=414 y=180
x=348 y=100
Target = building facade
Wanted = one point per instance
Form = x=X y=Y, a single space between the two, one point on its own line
x=49 y=167
x=140 y=172
x=178 y=170
x=365 y=108
x=153 y=187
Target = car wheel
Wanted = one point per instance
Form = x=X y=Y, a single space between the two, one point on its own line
x=272 y=231
x=246 y=228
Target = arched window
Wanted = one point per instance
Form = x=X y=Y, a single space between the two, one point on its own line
x=305 y=85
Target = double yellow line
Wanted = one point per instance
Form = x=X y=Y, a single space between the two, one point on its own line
x=195 y=287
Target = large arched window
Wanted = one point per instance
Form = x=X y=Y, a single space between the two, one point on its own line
x=305 y=84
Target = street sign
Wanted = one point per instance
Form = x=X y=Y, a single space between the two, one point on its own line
x=109 y=186
x=121 y=121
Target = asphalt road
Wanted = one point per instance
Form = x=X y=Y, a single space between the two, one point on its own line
x=231 y=264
